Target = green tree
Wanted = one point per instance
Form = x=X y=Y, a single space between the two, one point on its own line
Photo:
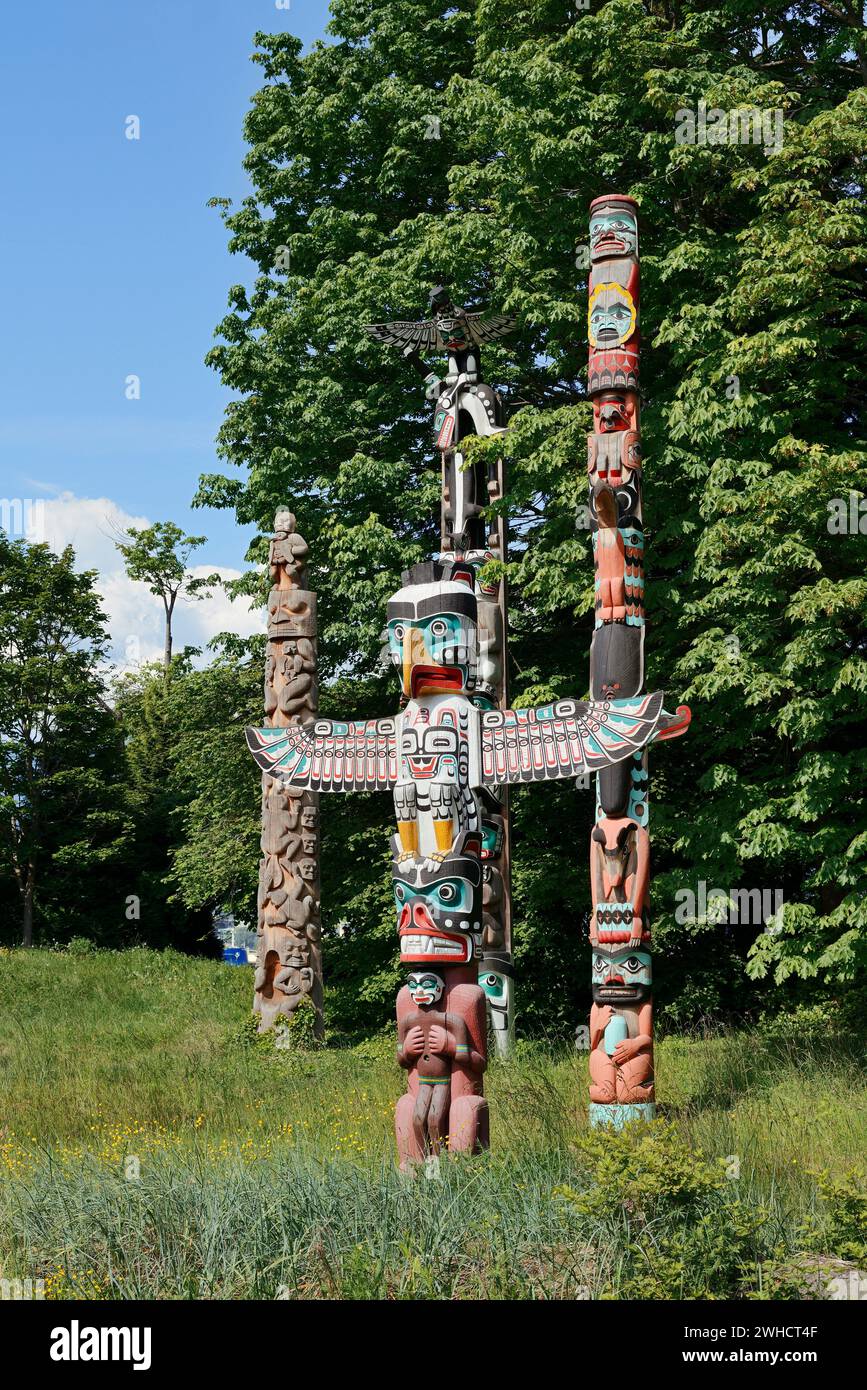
x=754 y=319
x=62 y=815
x=152 y=713
x=217 y=786
x=158 y=556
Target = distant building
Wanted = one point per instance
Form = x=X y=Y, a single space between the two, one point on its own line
x=237 y=938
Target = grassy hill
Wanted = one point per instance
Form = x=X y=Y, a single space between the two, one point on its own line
x=152 y=1147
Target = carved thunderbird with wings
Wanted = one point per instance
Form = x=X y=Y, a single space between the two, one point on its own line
x=564 y=739
x=441 y=750
x=451 y=329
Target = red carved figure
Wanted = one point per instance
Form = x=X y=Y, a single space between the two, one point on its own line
x=610 y=561
x=428 y=1042
x=444 y=1052
x=625 y=1074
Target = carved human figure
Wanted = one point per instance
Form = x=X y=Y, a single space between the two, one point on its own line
x=428 y=1040
x=283 y=977
x=296 y=670
x=626 y=1074
x=439 y=927
x=280 y=818
x=288 y=551
x=610 y=560
x=301 y=905
x=444 y=1054
x=621 y=1027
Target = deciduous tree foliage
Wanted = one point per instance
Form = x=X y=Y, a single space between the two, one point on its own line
x=424 y=143
x=192 y=804
x=63 y=820
x=158 y=556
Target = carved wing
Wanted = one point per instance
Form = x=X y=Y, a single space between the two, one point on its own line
x=571 y=737
x=329 y=755
x=487 y=329
x=418 y=336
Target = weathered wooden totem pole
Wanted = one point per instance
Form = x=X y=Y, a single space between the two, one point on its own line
x=621 y=1019
x=465 y=405
x=289 y=960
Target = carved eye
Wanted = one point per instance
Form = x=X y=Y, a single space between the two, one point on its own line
x=439 y=627
x=599 y=963
x=440 y=742
x=399 y=892
x=397 y=632
x=448 y=892
x=633 y=965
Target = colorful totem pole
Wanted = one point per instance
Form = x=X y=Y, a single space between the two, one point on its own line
x=465 y=405
x=441 y=756
x=621 y=1019
x=289 y=960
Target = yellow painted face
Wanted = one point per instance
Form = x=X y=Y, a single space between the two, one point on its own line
x=432 y=629
x=414 y=653
x=611 y=316
x=424 y=650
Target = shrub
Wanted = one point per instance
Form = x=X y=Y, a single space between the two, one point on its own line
x=844 y=1197
x=670 y=1222
x=80 y=946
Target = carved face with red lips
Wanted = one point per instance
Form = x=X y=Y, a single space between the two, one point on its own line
x=425 y=988
x=613 y=228
x=621 y=975
x=439 y=906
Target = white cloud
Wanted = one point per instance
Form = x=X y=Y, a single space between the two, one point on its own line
x=91 y=525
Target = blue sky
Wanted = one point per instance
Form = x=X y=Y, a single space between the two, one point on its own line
x=113 y=263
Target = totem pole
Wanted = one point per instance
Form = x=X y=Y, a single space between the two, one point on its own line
x=289 y=959
x=465 y=405
x=621 y=1019
x=440 y=756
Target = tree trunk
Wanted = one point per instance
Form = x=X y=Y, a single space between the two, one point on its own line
x=167 y=649
x=27 y=909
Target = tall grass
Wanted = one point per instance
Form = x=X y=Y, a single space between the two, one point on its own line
x=150 y=1148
